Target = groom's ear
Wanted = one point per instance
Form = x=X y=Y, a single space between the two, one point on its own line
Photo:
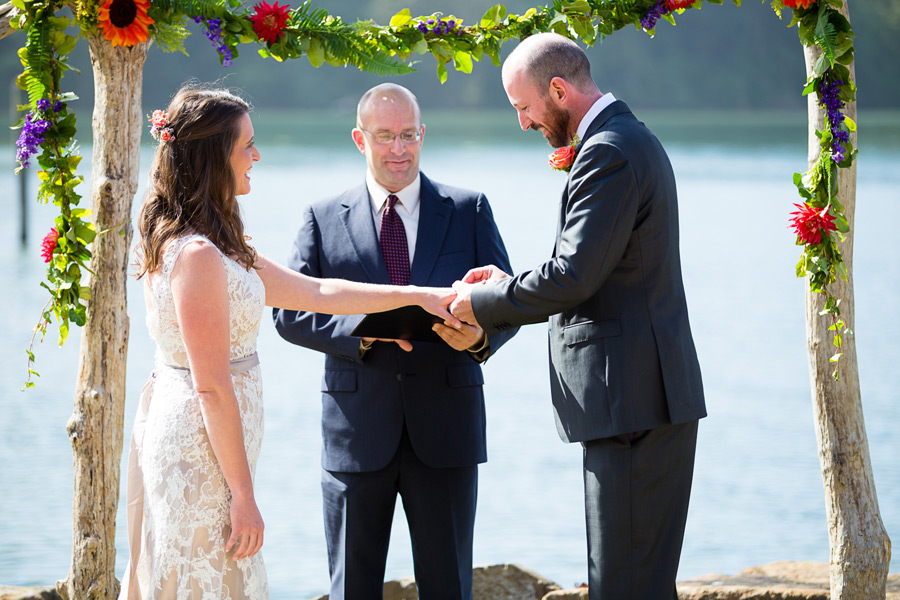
x=559 y=91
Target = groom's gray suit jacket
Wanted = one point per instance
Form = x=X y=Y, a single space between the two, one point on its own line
x=622 y=358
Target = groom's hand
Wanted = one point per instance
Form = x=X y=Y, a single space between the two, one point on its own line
x=461 y=307
x=486 y=273
x=466 y=338
x=406 y=345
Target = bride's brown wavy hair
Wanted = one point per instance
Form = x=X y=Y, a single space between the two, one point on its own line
x=192 y=185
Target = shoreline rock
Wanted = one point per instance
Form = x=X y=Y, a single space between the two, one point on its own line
x=774 y=581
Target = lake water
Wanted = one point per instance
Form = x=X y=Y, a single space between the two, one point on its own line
x=757 y=494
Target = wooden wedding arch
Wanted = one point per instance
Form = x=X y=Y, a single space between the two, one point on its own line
x=119 y=34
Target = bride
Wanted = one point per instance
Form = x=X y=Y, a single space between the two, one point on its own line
x=194 y=529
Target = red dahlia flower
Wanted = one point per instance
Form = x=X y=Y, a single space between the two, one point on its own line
x=673 y=5
x=269 y=20
x=809 y=223
x=798 y=3
x=48 y=244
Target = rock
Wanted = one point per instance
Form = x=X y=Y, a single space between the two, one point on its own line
x=10 y=592
x=496 y=582
x=579 y=593
x=509 y=582
x=775 y=581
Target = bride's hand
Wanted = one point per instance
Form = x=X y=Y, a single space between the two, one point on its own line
x=437 y=302
x=246 y=528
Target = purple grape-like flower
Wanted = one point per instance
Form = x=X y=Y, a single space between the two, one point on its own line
x=43 y=104
x=423 y=27
x=214 y=34
x=31 y=138
x=58 y=106
x=829 y=97
x=654 y=15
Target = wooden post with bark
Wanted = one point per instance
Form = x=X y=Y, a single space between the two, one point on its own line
x=860 y=548
x=95 y=428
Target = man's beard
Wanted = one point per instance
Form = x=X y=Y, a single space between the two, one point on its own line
x=556 y=125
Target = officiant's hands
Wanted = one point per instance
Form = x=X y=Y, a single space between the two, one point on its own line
x=468 y=337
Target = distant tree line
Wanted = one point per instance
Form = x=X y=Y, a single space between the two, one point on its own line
x=721 y=57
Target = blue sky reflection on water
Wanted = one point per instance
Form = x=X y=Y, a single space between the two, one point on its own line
x=757 y=491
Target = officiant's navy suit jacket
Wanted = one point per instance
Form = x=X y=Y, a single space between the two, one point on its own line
x=434 y=390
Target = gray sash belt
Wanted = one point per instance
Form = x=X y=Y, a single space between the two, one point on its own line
x=236 y=366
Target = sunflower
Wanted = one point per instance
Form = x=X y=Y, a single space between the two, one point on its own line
x=124 y=22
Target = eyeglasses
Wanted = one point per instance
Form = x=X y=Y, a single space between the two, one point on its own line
x=387 y=137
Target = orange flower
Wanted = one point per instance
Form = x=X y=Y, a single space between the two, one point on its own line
x=798 y=3
x=125 y=22
x=562 y=159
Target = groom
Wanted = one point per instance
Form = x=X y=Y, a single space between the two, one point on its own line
x=398 y=418
x=625 y=380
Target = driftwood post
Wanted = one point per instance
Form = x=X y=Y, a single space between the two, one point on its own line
x=860 y=547
x=95 y=427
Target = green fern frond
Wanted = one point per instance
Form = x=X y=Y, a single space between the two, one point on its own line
x=825 y=35
x=308 y=17
x=39 y=56
x=193 y=8
x=346 y=48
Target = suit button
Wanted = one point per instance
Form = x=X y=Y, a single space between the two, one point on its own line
x=399 y=377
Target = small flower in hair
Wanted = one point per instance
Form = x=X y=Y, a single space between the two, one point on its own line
x=159 y=127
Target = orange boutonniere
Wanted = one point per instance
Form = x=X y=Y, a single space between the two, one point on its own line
x=562 y=158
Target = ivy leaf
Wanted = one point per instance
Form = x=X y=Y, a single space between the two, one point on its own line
x=401 y=18
x=493 y=17
x=462 y=61
x=442 y=72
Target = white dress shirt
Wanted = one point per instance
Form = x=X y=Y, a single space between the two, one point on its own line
x=588 y=118
x=407 y=208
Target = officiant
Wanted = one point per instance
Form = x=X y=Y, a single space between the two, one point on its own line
x=399 y=417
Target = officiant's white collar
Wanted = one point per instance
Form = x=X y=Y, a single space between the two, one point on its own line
x=408 y=196
x=601 y=103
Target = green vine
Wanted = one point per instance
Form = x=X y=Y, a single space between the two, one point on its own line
x=50 y=122
x=822 y=25
x=283 y=34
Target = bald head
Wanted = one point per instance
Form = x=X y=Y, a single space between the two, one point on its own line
x=544 y=56
x=386 y=97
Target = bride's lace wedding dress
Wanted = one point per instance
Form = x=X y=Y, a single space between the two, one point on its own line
x=178 y=501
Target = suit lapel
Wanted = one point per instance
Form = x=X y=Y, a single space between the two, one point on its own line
x=434 y=220
x=616 y=108
x=356 y=217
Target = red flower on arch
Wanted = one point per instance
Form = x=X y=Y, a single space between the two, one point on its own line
x=673 y=5
x=809 y=222
x=48 y=244
x=269 y=20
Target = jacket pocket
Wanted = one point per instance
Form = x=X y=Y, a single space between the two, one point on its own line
x=339 y=380
x=464 y=375
x=577 y=333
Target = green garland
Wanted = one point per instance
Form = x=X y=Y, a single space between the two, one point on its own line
x=284 y=34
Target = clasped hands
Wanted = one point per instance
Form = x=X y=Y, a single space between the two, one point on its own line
x=460 y=329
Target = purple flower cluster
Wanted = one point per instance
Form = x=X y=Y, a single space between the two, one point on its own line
x=31 y=137
x=654 y=15
x=214 y=34
x=439 y=27
x=829 y=97
x=33 y=131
